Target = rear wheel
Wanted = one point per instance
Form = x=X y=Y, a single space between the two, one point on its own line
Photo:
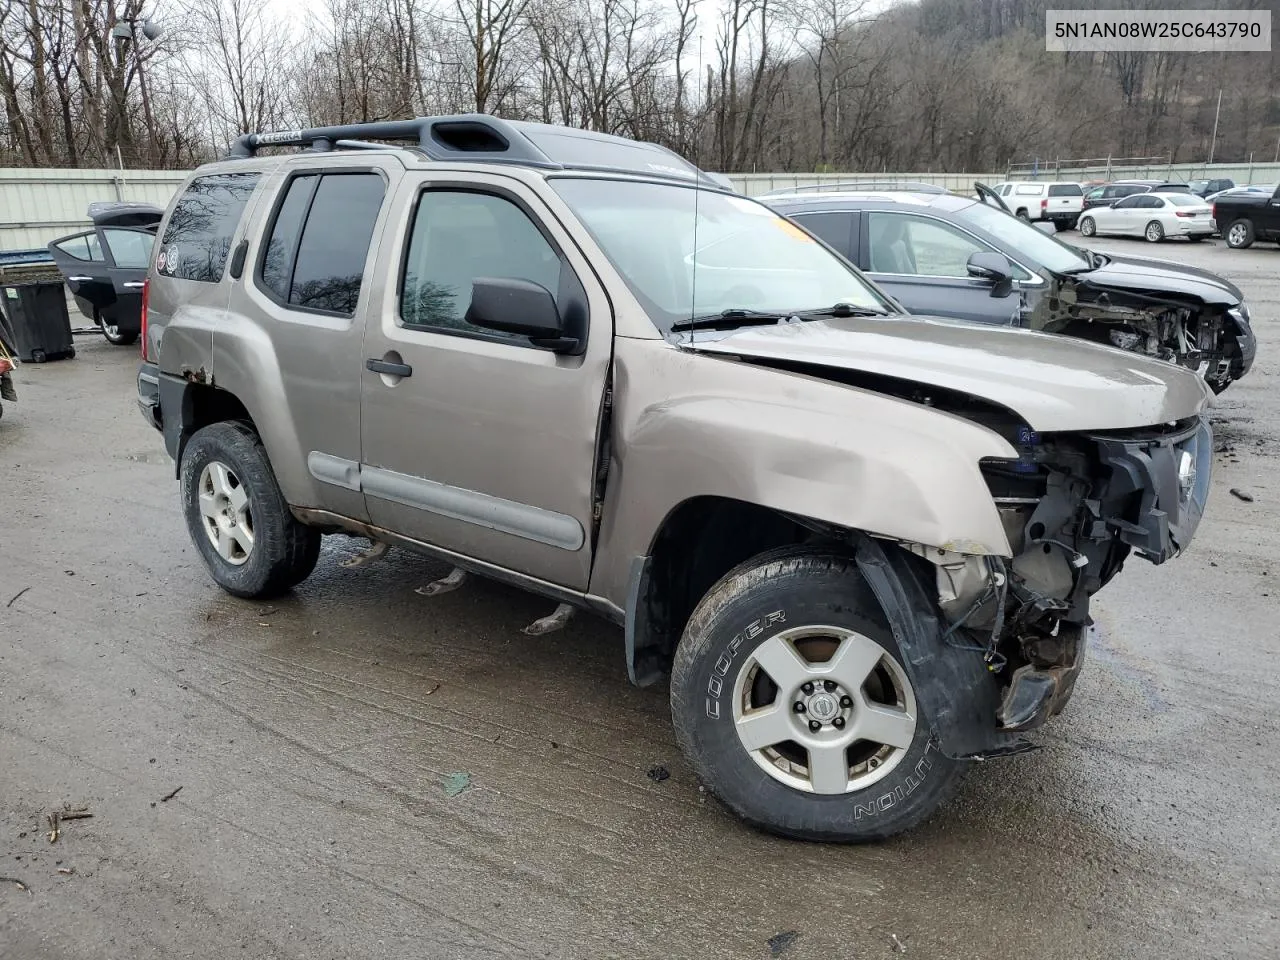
x=789 y=696
x=1087 y=227
x=115 y=335
x=1240 y=234
x=237 y=517
x=1154 y=231
x=1023 y=215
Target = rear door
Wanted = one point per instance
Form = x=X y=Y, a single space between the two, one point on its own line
x=479 y=442
x=128 y=251
x=1269 y=217
x=922 y=262
x=84 y=265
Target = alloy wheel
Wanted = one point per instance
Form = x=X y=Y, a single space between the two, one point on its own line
x=824 y=709
x=224 y=509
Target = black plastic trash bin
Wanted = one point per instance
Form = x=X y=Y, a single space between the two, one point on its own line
x=37 y=315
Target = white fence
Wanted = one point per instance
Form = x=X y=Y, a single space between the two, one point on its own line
x=37 y=206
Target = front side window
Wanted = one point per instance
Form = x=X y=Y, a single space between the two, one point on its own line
x=85 y=246
x=1128 y=203
x=319 y=241
x=197 y=239
x=917 y=246
x=689 y=253
x=129 y=248
x=458 y=236
x=1097 y=193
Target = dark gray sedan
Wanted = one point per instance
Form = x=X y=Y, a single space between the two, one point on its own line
x=941 y=254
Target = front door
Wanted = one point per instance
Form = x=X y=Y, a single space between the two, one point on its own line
x=923 y=263
x=476 y=441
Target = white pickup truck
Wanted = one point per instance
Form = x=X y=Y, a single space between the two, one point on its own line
x=1060 y=202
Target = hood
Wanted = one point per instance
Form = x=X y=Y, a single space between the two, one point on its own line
x=1053 y=383
x=1140 y=274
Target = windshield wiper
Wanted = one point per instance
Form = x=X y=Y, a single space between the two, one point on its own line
x=742 y=317
x=841 y=310
x=732 y=317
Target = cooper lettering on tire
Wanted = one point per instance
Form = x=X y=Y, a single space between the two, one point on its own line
x=789 y=695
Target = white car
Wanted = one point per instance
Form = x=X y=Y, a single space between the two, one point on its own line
x=1058 y=201
x=1151 y=215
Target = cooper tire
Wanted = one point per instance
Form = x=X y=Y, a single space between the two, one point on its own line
x=282 y=552
x=1240 y=235
x=1087 y=227
x=748 y=614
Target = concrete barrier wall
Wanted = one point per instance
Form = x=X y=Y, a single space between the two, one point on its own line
x=37 y=206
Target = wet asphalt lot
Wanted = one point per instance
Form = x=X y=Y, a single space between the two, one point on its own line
x=314 y=739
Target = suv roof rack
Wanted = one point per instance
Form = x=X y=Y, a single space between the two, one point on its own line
x=478 y=136
x=878 y=186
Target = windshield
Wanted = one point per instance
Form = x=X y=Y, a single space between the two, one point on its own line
x=748 y=257
x=1038 y=247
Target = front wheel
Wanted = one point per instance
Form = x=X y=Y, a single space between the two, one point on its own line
x=1087 y=227
x=789 y=696
x=1240 y=234
x=237 y=517
x=1154 y=231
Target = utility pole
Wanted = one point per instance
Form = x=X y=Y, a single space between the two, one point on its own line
x=1214 y=142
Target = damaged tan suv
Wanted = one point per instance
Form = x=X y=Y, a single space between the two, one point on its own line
x=862 y=544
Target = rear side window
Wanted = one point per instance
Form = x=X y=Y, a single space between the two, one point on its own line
x=319 y=241
x=835 y=228
x=1065 y=190
x=197 y=239
x=82 y=247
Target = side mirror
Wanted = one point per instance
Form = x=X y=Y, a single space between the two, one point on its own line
x=520 y=307
x=994 y=268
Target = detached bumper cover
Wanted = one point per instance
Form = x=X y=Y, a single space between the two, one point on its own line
x=1168 y=477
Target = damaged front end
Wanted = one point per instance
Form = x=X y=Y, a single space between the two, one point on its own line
x=1073 y=507
x=1215 y=340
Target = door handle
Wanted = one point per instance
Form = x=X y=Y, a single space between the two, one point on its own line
x=389 y=368
x=134 y=285
x=80 y=279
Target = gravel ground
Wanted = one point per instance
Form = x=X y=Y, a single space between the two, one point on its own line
x=359 y=771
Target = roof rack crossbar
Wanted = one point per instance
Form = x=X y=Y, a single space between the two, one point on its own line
x=850 y=186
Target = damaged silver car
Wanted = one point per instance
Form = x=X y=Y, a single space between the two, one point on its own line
x=862 y=544
x=939 y=254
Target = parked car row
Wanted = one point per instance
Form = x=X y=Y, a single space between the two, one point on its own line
x=862 y=543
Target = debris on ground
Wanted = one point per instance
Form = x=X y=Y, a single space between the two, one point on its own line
x=455 y=783
x=58 y=817
x=16 y=882
x=901 y=947
x=16 y=596
x=779 y=943
x=169 y=796
x=1241 y=495
x=66 y=871
x=659 y=773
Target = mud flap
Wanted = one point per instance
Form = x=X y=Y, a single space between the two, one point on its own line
x=958 y=693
